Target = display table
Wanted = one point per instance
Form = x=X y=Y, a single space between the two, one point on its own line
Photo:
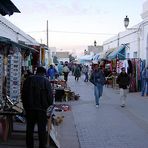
x=59 y=93
x=6 y=121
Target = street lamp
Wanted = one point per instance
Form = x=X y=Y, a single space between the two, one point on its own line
x=138 y=30
x=126 y=21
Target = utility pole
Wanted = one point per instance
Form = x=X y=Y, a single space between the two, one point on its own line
x=47 y=33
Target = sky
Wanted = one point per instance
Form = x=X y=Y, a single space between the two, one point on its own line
x=74 y=24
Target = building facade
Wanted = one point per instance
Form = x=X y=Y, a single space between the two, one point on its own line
x=8 y=30
x=135 y=38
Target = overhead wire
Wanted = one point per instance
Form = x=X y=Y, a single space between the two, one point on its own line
x=71 y=32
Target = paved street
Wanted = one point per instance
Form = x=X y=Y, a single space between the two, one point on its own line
x=109 y=126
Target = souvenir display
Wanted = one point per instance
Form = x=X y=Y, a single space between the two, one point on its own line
x=1 y=76
x=14 y=76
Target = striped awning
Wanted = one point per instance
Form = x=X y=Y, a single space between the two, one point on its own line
x=118 y=53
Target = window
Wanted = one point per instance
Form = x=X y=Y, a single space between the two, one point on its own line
x=128 y=55
x=135 y=55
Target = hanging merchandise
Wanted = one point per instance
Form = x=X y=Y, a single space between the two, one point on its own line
x=138 y=75
x=135 y=84
x=130 y=67
x=1 y=77
x=119 y=65
x=114 y=63
x=14 y=76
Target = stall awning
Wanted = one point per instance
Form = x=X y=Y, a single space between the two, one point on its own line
x=86 y=57
x=7 y=8
x=118 y=53
x=26 y=47
x=5 y=40
x=104 y=54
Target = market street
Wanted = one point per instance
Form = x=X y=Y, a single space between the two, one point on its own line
x=109 y=126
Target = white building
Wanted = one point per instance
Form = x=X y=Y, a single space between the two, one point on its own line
x=136 y=38
x=8 y=30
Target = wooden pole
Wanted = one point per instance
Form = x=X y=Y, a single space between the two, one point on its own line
x=47 y=33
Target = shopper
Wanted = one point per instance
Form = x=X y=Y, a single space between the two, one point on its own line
x=123 y=80
x=51 y=72
x=66 y=71
x=36 y=98
x=98 y=79
x=144 y=81
x=85 y=71
x=77 y=72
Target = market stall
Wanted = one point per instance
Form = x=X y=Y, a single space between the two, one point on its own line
x=10 y=83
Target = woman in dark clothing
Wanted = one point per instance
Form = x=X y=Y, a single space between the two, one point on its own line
x=77 y=72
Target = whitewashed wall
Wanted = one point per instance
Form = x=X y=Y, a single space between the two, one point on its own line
x=8 y=30
x=136 y=38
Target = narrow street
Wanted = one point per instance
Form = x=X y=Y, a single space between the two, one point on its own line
x=86 y=126
x=109 y=126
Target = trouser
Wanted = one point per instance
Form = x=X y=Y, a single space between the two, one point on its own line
x=123 y=95
x=76 y=78
x=36 y=117
x=66 y=76
x=98 y=90
x=86 y=77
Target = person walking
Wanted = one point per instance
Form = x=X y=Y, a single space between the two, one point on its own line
x=66 y=71
x=144 y=81
x=86 y=70
x=51 y=72
x=36 y=98
x=60 y=68
x=77 y=72
x=123 y=80
x=98 y=79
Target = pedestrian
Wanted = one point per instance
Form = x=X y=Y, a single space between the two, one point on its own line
x=51 y=72
x=98 y=79
x=123 y=80
x=36 y=98
x=60 y=68
x=86 y=70
x=77 y=72
x=66 y=71
x=144 y=81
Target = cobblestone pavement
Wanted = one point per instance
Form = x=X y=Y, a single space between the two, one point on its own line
x=109 y=126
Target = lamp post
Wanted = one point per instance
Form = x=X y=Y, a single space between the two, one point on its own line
x=126 y=23
x=138 y=30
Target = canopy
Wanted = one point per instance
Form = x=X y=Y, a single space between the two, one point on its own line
x=7 y=7
x=22 y=46
x=104 y=54
x=86 y=57
x=96 y=58
x=118 y=53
